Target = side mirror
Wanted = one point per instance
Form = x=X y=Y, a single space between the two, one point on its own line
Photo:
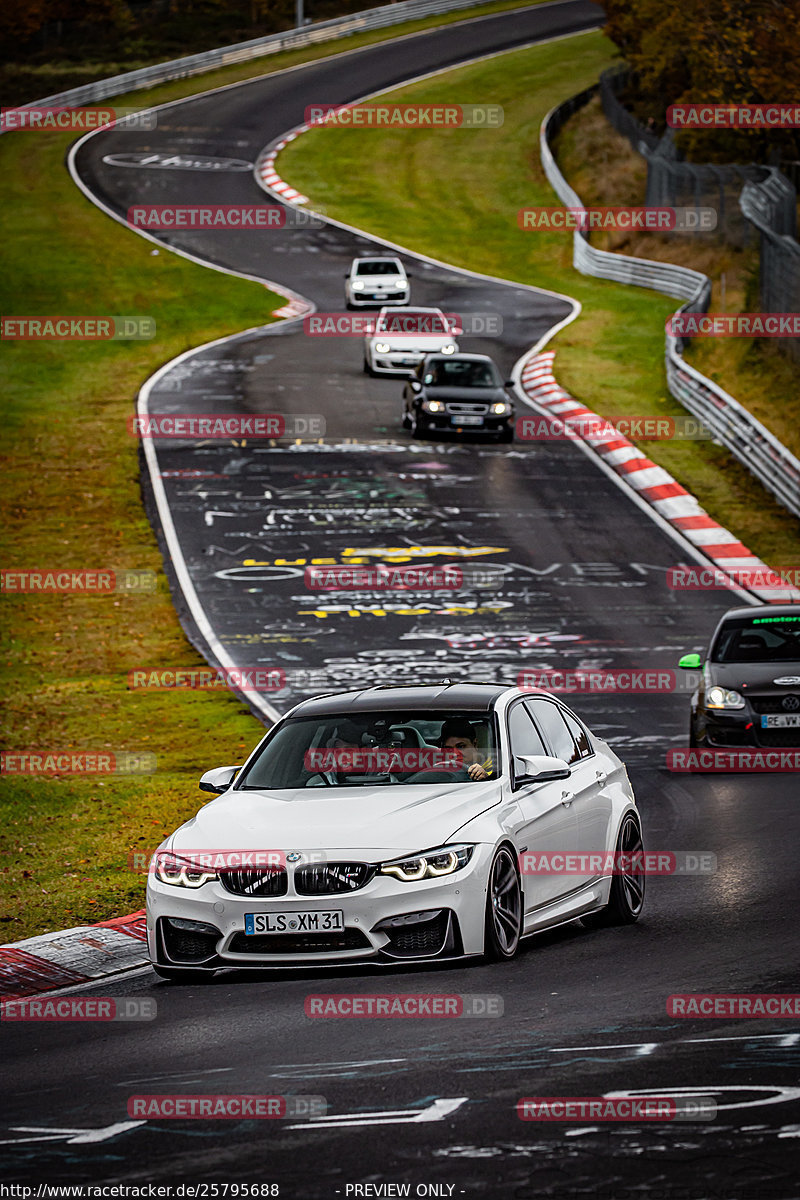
x=369 y=327
x=539 y=768
x=509 y=383
x=455 y=327
x=691 y=662
x=218 y=780
x=416 y=386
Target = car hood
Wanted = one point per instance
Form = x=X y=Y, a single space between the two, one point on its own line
x=375 y=822
x=479 y=395
x=373 y=281
x=754 y=676
x=413 y=341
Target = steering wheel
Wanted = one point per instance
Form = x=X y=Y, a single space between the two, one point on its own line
x=435 y=775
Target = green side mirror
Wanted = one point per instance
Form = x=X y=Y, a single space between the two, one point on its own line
x=690 y=662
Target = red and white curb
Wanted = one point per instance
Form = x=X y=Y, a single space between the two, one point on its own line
x=265 y=169
x=651 y=482
x=79 y=955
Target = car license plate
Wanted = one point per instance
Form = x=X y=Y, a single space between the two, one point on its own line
x=781 y=721
x=304 y=921
x=467 y=420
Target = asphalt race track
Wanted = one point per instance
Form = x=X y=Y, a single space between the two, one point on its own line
x=581 y=583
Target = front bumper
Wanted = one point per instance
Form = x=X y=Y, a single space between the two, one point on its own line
x=454 y=926
x=722 y=729
x=445 y=423
x=377 y=300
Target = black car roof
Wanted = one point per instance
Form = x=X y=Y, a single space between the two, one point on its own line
x=440 y=697
x=763 y=610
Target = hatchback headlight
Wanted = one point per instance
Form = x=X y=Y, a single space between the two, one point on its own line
x=448 y=349
x=719 y=697
x=433 y=405
x=358 y=286
x=430 y=865
x=400 y=283
x=382 y=347
x=180 y=872
x=501 y=408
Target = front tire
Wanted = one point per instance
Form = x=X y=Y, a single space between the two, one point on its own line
x=503 y=926
x=626 y=897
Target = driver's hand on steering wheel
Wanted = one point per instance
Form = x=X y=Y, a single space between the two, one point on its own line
x=476 y=771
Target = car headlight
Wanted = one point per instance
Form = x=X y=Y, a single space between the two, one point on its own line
x=448 y=349
x=180 y=872
x=357 y=285
x=719 y=697
x=400 y=283
x=430 y=865
x=499 y=409
x=382 y=347
x=433 y=405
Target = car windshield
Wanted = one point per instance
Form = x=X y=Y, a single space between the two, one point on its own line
x=379 y=266
x=376 y=749
x=457 y=373
x=412 y=322
x=758 y=639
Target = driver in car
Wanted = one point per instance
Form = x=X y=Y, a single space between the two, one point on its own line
x=459 y=734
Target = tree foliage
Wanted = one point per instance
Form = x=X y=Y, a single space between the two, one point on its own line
x=712 y=51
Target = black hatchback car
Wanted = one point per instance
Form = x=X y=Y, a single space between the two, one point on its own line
x=459 y=393
x=749 y=691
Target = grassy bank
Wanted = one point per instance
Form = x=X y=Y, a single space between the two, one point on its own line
x=455 y=194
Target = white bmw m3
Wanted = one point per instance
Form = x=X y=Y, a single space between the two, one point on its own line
x=398 y=824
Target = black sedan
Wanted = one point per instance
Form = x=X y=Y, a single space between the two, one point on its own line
x=460 y=393
x=749 y=690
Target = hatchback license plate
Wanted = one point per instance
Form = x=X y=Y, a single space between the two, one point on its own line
x=781 y=721
x=467 y=420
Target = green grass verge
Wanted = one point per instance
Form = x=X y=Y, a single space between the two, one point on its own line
x=454 y=194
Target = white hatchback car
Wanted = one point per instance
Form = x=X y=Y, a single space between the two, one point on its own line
x=372 y=282
x=398 y=824
x=398 y=341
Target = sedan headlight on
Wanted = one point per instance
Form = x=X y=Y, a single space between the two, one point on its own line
x=382 y=347
x=430 y=865
x=719 y=697
x=357 y=285
x=501 y=408
x=180 y=872
x=433 y=405
x=448 y=349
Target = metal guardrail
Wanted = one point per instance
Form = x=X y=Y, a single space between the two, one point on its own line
x=732 y=425
x=225 y=56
